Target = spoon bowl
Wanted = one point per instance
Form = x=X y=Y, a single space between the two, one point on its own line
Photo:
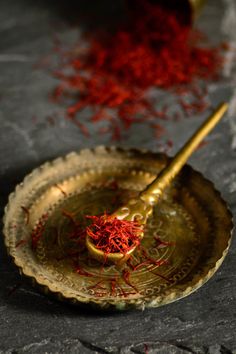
x=110 y=258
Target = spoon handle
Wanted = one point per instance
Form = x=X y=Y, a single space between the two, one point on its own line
x=152 y=193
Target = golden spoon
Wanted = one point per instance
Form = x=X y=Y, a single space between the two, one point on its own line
x=141 y=207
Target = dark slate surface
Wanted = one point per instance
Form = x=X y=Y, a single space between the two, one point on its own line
x=204 y=322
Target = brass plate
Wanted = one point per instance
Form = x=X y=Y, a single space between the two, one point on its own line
x=192 y=217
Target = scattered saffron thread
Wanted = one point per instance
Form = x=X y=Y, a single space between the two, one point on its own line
x=21 y=243
x=159 y=243
x=61 y=189
x=27 y=214
x=114 y=75
x=38 y=230
x=70 y=216
x=145 y=348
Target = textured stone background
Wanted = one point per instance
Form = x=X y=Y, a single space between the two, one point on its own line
x=204 y=322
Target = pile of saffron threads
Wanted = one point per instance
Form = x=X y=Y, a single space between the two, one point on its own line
x=114 y=75
x=111 y=235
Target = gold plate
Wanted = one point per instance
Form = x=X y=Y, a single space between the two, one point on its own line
x=192 y=221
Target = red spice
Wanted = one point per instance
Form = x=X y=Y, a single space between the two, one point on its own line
x=27 y=213
x=149 y=261
x=61 y=190
x=203 y=143
x=21 y=243
x=83 y=272
x=38 y=230
x=114 y=75
x=122 y=291
x=113 y=283
x=145 y=348
x=169 y=144
x=70 y=216
x=78 y=231
x=112 y=184
x=160 y=243
x=158 y=130
x=112 y=235
x=126 y=276
x=160 y=276
x=97 y=286
x=81 y=126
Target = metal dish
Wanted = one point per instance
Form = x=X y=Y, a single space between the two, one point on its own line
x=192 y=220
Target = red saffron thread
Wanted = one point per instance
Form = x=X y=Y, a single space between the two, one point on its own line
x=126 y=277
x=160 y=243
x=112 y=235
x=97 y=286
x=145 y=348
x=27 y=214
x=70 y=216
x=21 y=243
x=114 y=74
x=83 y=272
x=61 y=190
x=38 y=230
x=113 y=286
